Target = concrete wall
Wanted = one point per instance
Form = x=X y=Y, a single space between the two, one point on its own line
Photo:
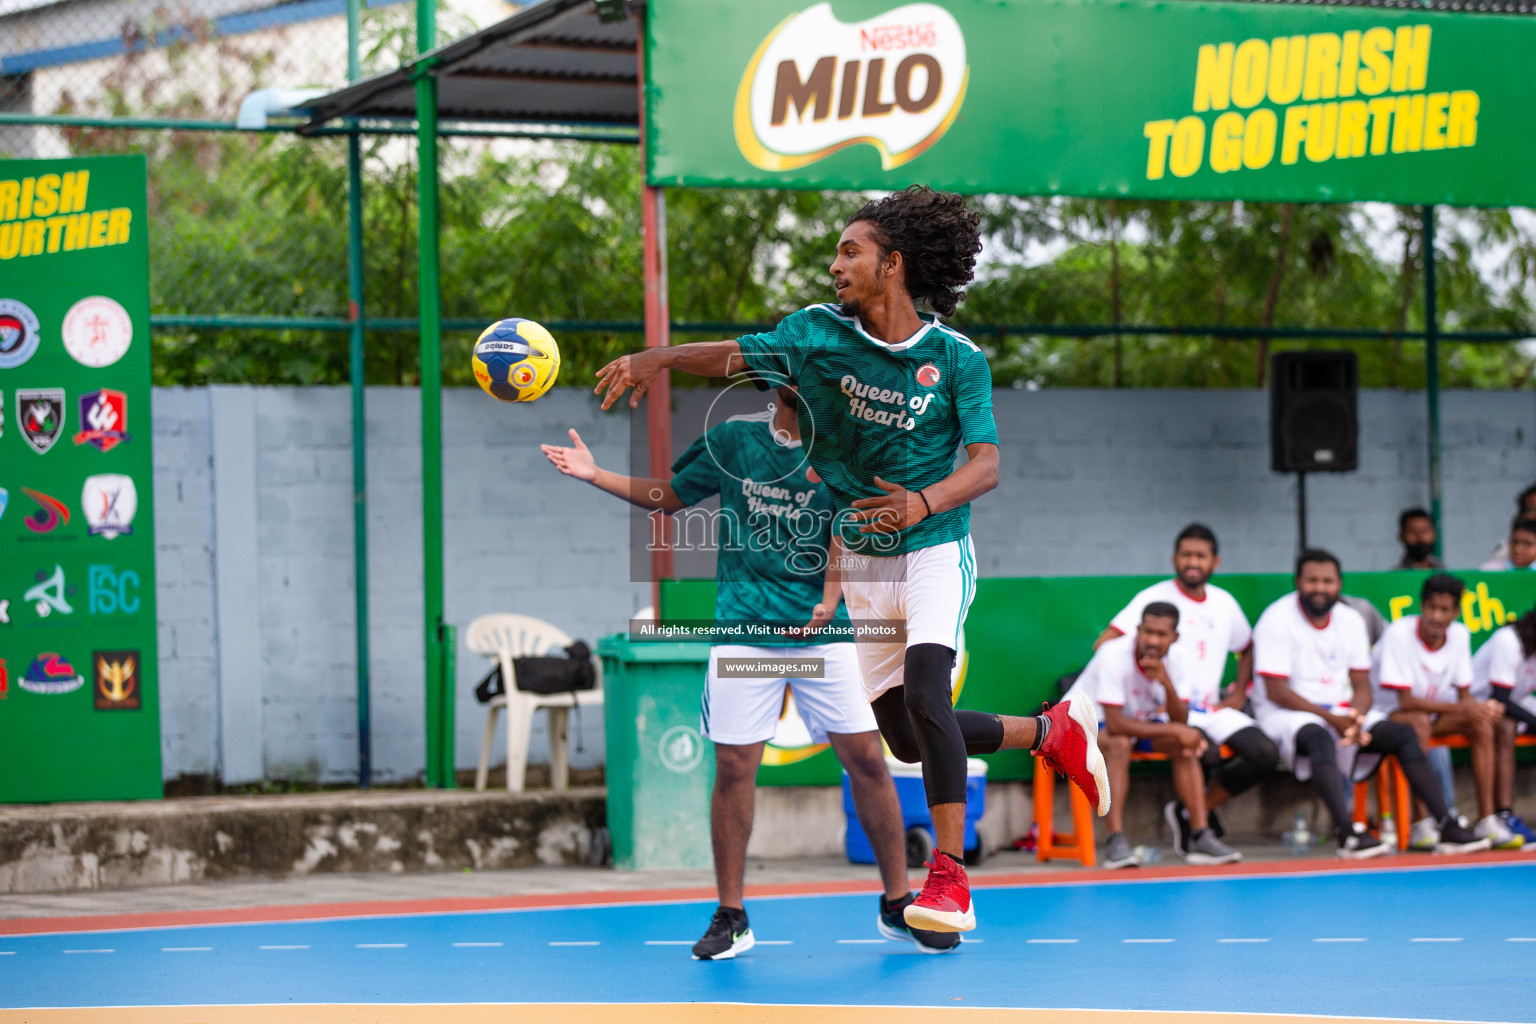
x=1093 y=482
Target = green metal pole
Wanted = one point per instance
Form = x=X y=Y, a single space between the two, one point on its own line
x=1432 y=375
x=431 y=342
x=359 y=413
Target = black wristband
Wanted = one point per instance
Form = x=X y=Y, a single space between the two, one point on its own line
x=927 y=506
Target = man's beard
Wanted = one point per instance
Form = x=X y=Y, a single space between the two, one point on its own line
x=1418 y=551
x=1199 y=579
x=1318 y=605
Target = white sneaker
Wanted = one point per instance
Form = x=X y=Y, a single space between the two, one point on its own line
x=1425 y=836
x=1498 y=834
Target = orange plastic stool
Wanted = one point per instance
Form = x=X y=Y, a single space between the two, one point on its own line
x=1391 y=794
x=1076 y=845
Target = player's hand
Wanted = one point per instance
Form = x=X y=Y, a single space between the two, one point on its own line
x=896 y=509
x=576 y=462
x=636 y=370
x=1345 y=725
x=1489 y=710
x=820 y=616
x=1192 y=740
x=1154 y=669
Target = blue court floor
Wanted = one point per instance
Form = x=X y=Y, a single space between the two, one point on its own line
x=1438 y=943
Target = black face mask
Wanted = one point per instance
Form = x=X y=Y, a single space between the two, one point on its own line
x=1418 y=551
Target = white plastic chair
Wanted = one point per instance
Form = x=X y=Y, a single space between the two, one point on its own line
x=503 y=638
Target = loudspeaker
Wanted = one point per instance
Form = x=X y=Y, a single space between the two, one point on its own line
x=1313 y=422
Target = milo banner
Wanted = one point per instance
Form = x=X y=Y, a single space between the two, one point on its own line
x=1089 y=98
x=79 y=715
x=1023 y=635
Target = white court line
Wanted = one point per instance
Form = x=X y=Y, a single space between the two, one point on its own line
x=12 y=952
x=282 y=947
x=1242 y=940
x=90 y=951
x=858 y=942
x=1434 y=940
x=1147 y=940
x=186 y=949
x=575 y=943
x=1338 y=940
x=1506 y=940
x=670 y=942
x=971 y=941
x=775 y=942
x=381 y=945
x=1050 y=942
x=476 y=945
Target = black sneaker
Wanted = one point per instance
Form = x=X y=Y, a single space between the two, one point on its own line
x=893 y=925
x=1214 y=823
x=1454 y=838
x=1358 y=844
x=1178 y=824
x=728 y=935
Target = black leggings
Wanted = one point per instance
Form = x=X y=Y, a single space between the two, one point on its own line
x=1395 y=738
x=920 y=724
x=1254 y=756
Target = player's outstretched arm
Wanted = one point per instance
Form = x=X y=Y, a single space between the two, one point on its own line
x=638 y=369
x=577 y=461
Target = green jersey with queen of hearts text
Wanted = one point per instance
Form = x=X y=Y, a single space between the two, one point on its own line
x=772 y=538
x=869 y=408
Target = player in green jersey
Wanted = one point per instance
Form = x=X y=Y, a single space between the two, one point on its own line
x=887 y=395
x=772 y=536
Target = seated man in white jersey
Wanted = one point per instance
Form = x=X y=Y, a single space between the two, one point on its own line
x=1211 y=625
x=893 y=395
x=1313 y=699
x=1421 y=671
x=1504 y=669
x=770 y=568
x=1134 y=682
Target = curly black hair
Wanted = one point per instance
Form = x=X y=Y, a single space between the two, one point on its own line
x=938 y=239
x=1525 y=629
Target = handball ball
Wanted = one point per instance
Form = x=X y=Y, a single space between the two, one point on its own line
x=516 y=360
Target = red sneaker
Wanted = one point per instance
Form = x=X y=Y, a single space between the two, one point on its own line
x=1072 y=748
x=944 y=905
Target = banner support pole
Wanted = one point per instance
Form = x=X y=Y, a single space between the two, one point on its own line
x=1432 y=375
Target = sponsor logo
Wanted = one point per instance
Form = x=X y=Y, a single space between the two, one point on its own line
x=97 y=331
x=103 y=419
x=523 y=375
x=40 y=411
x=116 y=680
x=817 y=85
x=927 y=376
x=109 y=592
x=50 y=593
x=18 y=333
x=5 y=681
x=5 y=495
x=50 y=512
x=5 y=613
x=49 y=673
x=109 y=501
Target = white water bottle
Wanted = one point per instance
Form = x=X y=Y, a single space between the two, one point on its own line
x=1299 y=838
x=1388 y=832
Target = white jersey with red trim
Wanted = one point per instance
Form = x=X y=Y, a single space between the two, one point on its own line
x=1502 y=662
x=1209 y=628
x=1314 y=660
x=1113 y=677
x=1401 y=663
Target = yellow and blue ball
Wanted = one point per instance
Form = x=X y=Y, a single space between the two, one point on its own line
x=516 y=360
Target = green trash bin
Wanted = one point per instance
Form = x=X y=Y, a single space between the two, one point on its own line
x=660 y=769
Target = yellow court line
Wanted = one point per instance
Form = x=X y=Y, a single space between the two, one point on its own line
x=630 y=1013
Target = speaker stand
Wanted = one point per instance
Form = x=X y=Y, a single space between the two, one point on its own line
x=1301 y=512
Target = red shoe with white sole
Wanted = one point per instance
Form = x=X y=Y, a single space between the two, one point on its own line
x=1072 y=748
x=944 y=905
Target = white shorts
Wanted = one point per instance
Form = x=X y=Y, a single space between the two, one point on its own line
x=741 y=711
x=1282 y=725
x=929 y=589
x=1219 y=724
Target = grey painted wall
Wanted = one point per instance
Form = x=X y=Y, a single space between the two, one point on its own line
x=1093 y=482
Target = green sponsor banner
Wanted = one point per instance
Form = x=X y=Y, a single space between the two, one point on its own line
x=1023 y=634
x=1277 y=102
x=79 y=708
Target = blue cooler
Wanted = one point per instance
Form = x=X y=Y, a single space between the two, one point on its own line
x=914 y=813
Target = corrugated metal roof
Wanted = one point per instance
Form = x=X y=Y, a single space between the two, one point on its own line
x=557 y=63
x=552 y=63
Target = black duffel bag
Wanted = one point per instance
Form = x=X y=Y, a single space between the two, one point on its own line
x=545 y=675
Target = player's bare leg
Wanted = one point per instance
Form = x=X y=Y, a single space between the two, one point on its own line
x=879 y=810
x=1117 y=761
x=1480 y=734
x=1504 y=761
x=730 y=816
